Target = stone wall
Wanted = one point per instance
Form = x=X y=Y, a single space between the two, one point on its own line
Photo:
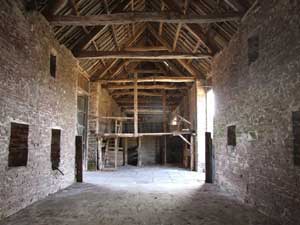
x=29 y=95
x=259 y=98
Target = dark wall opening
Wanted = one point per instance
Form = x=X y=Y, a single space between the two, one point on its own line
x=18 y=145
x=55 y=148
x=296 y=132
x=53 y=65
x=231 y=135
x=175 y=147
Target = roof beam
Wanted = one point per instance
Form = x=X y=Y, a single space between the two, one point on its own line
x=167 y=79
x=113 y=30
x=146 y=49
x=145 y=87
x=139 y=17
x=235 y=5
x=144 y=71
x=99 y=75
x=161 y=25
x=178 y=29
x=179 y=26
x=139 y=55
x=144 y=93
x=53 y=7
x=193 y=28
x=182 y=62
x=141 y=101
x=93 y=34
x=146 y=111
x=141 y=93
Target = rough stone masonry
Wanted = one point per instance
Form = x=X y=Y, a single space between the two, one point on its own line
x=257 y=92
x=29 y=95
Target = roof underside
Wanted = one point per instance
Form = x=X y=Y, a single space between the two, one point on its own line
x=204 y=38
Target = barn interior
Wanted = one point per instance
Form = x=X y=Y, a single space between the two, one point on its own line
x=150 y=112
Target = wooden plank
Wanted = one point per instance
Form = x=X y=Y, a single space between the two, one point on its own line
x=166 y=79
x=125 y=151
x=182 y=62
x=196 y=30
x=116 y=151
x=146 y=111
x=132 y=135
x=145 y=49
x=139 y=151
x=99 y=149
x=95 y=32
x=178 y=29
x=183 y=119
x=132 y=9
x=139 y=55
x=161 y=25
x=184 y=139
x=112 y=27
x=146 y=87
x=136 y=127
x=192 y=148
x=143 y=71
x=131 y=93
x=116 y=118
x=140 y=17
x=147 y=94
x=99 y=75
x=164 y=106
x=141 y=101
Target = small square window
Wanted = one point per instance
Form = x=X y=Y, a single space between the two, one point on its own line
x=231 y=135
x=18 y=145
x=55 y=148
x=253 y=49
x=53 y=66
x=296 y=133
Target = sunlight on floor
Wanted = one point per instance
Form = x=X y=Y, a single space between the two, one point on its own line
x=147 y=178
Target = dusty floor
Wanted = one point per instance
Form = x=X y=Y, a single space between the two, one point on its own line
x=161 y=196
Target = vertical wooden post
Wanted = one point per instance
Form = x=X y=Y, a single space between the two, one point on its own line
x=208 y=158
x=78 y=158
x=136 y=126
x=116 y=152
x=99 y=154
x=139 y=151
x=164 y=105
x=125 y=152
x=192 y=153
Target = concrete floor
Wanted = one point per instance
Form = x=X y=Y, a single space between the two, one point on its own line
x=144 y=196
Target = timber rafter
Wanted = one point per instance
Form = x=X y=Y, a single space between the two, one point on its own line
x=167 y=44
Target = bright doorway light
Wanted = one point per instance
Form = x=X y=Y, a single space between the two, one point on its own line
x=210 y=111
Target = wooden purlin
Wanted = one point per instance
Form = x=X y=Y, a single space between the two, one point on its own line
x=141 y=17
x=87 y=40
x=166 y=79
x=132 y=135
x=182 y=62
x=140 y=55
x=98 y=75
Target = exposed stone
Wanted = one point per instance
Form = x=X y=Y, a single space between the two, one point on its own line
x=259 y=100
x=28 y=94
